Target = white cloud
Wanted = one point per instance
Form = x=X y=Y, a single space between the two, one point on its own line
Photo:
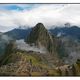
x=49 y=14
x=24 y=46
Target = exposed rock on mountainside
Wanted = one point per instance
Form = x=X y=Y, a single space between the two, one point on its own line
x=39 y=36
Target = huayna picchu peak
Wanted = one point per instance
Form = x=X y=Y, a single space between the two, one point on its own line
x=40 y=36
x=38 y=32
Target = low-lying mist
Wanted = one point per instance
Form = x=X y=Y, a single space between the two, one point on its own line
x=26 y=47
x=4 y=40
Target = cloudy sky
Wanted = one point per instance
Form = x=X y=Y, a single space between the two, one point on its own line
x=15 y=15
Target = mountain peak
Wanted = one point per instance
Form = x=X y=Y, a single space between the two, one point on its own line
x=38 y=34
x=40 y=37
x=40 y=26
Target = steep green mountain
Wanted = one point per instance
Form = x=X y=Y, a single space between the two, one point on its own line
x=40 y=37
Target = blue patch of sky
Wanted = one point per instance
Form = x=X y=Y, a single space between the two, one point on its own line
x=13 y=7
x=18 y=7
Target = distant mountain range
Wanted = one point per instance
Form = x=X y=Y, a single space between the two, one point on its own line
x=73 y=31
x=18 y=33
